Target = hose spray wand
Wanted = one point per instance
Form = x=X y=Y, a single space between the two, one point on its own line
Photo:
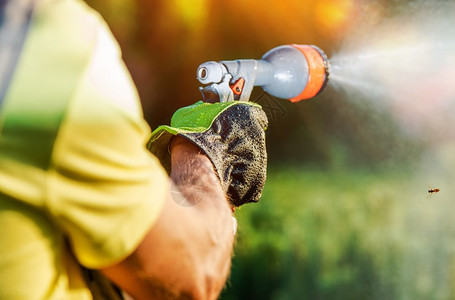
x=293 y=72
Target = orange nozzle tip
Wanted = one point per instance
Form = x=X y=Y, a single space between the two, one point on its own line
x=316 y=72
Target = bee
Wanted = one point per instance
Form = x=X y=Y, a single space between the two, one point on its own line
x=432 y=191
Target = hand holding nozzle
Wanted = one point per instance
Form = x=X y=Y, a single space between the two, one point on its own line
x=293 y=72
x=231 y=134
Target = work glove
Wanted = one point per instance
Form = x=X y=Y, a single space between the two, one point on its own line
x=231 y=134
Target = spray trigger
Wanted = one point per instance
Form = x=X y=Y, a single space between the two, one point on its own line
x=237 y=87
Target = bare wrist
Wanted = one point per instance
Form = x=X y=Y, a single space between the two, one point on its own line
x=193 y=174
x=184 y=153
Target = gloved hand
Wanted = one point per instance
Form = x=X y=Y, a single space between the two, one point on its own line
x=231 y=134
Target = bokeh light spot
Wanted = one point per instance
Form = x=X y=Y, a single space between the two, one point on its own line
x=332 y=15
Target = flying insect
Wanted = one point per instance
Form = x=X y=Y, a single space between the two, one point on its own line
x=433 y=191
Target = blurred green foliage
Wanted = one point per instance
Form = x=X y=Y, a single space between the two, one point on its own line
x=342 y=235
x=309 y=239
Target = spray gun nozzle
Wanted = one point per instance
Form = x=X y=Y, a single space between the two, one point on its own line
x=293 y=72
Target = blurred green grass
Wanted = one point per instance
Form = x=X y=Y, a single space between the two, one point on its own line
x=344 y=235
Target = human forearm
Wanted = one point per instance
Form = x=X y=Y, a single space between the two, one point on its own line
x=194 y=176
x=187 y=252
